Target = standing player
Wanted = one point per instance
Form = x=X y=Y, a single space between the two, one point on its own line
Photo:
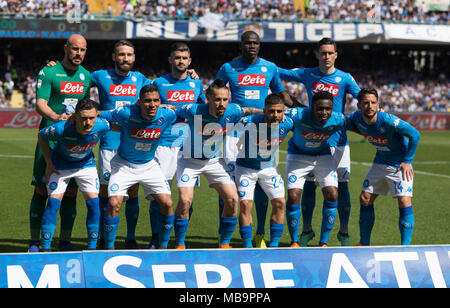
x=141 y=126
x=59 y=88
x=250 y=78
x=326 y=77
x=392 y=167
x=177 y=89
x=263 y=134
x=118 y=87
x=72 y=157
x=208 y=125
x=309 y=151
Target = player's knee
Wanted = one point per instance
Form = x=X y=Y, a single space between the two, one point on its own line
x=404 y=201
x=246 y=206
x=294 y=196
x=330 y=193
x=364 y=198
x=113 y=207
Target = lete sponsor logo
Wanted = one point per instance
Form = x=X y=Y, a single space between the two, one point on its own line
x=122 y=90
x=68 y=87
x=81 y=147
x=332 y=88
x=315 y=136
x=181 y=96
x=377 y=140
x=22 y=119
x=252 y=80
x=145 y=133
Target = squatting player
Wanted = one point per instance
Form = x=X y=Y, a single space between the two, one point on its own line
x=117 y=87
x=208 y=125
x=261 y=138
x=309 y=151
x=326 y=77
x=58 y=88
x=72 y=158
x=177 y=89
x=250 y=78
x=392 y=166
x=141 y=127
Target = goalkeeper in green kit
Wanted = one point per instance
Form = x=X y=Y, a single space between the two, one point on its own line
x=59 y=88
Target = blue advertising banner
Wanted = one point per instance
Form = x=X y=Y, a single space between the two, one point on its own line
x=356 y=267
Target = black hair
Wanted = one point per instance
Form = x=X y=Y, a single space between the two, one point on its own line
x=326 y=41
x=146 y=89
x=123 y=43
x=322 y=95
x=217 y=84
x=86 y=104
x=180 y=46
x=365 y=91
x=274 y=99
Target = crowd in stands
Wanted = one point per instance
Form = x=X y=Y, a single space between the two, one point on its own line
x=410 y=11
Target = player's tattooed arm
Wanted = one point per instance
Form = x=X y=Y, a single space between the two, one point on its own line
x=291 y=102
x=250 y=111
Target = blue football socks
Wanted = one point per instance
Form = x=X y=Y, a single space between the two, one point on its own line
x=110 y=225
x=276 y=231
x=366 y=223
x=293 y=217
x=246 y=235
x=308 y=202
x=228 y=226
x=92 y=221
x=328 y=217
x=180 y=226
x=165 y=229
x=132 y=215
x=49 y=219
x=344 y=205
x=406 y=224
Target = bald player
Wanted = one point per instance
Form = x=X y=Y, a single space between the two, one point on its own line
x=59 y=88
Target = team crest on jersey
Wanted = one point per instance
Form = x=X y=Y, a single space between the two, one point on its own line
x=82 y=77
x=192 y=84
x=264 y=69
x=338 y=79
x=133 y=78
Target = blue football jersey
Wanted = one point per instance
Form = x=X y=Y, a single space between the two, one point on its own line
x=178 y=92
x=207 y=133
x=114 y=92
x=74 y=150
x=261 y=141
x=250 y=83
x=139 y=137
x=339 y=84
x=310 y=138
x=388 y=135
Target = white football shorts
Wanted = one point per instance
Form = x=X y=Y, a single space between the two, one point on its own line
x=215 y=171
x=104 y=165
x=341 y=156
x=86 y=179
x=126 y=174
x=380 y=179
x=269 y=179
x=323 y=167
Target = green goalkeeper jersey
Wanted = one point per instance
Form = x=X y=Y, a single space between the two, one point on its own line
x=62 y=88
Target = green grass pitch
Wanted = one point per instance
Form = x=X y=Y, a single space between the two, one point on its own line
x=431 y=199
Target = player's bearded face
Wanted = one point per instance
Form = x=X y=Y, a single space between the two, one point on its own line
x=369 y=105
x=150 y=104
x=274 y=113
x=85 y=120
x=322 y=110
x=124 y=58
x=180 y=61
x=218 y=102
x=75 y=53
